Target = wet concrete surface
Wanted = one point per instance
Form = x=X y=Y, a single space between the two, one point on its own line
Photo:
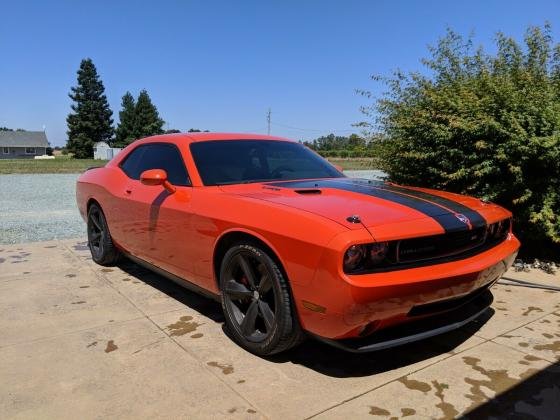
x=82 y=341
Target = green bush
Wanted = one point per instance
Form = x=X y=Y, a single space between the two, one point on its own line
x=483 y=124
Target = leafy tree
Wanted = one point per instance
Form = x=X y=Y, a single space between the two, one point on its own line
x=482 y=124
x=172 y=131
x=147 y=121
x=90 y=120
x=124 y=134
x=332 y=142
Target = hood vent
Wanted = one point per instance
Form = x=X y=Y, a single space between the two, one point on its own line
x=308 y=191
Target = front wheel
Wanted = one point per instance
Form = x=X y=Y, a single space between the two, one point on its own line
x=100 y=243
x=256 y=301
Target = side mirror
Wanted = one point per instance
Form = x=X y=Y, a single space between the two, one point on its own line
x=157 y=177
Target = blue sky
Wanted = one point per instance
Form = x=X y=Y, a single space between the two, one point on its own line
x=219 y=65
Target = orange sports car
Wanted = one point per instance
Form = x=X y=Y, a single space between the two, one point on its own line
x=289 y=245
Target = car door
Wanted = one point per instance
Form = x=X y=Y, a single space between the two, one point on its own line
x=158 y=222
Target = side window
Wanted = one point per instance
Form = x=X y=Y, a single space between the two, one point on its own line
x=130 y=164
x=157 y=156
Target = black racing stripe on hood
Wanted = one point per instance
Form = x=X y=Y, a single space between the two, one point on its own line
x=447 y=220
x=475 y=218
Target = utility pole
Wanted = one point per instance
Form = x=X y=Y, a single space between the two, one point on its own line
x=268 y=120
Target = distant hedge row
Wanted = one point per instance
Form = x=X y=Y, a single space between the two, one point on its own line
x=347 y=153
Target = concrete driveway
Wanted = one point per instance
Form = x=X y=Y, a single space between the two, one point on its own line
x=81 y=341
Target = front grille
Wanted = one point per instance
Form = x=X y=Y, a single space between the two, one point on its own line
x=428 y=247
x=451 y=244
x=416 y=252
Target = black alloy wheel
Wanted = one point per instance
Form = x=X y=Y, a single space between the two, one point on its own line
x=100 y=243
x=256 y=301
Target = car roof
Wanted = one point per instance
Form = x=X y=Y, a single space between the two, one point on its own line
x=199 y=137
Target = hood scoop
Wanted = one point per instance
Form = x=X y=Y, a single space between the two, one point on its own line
x=308 y=191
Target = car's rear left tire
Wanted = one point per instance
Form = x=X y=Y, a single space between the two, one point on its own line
x=256 y=301
x=100 y=243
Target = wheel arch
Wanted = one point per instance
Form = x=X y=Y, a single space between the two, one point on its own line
x=91 y=201
x=230 y=237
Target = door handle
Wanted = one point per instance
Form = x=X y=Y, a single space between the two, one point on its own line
x=128 y=191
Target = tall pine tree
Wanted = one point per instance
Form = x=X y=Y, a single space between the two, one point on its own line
x=90 y=120
x=125 y=130
x=147 y=122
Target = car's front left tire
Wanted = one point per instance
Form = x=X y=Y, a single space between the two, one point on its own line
x=100 y=243
x=256 y=300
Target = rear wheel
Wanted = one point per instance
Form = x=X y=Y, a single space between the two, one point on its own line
x=256 y=301
x=101 y=246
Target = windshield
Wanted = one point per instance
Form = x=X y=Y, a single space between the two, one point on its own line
x=244 y=161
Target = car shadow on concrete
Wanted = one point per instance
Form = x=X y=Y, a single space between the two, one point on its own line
x=314 y=354
x=203 y=305
x=334 y=362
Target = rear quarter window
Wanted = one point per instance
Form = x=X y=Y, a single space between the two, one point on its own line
x=164 y=156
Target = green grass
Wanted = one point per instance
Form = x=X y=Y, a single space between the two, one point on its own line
x=68 y=165
x=60 y=165
x=356 y=163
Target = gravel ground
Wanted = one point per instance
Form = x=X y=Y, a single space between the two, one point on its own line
x=42 y=207
x=38 y=207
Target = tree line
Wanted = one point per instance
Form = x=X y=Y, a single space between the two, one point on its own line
x=352 y=146
x=91 y=118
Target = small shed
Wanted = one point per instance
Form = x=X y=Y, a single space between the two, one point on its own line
x=102 y=151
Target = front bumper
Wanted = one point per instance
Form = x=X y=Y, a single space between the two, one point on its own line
x=418 y=330
x=365 y=305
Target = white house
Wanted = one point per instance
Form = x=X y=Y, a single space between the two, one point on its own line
x=102 y=151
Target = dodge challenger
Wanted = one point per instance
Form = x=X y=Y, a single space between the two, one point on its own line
x=290 y=246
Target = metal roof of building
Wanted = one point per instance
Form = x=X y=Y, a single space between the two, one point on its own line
x=23 y=139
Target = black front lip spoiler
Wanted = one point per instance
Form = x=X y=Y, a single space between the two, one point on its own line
x=416 y=330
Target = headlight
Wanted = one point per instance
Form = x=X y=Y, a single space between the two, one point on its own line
x=498 y=230
x=360 y=257
x=378 y=252
x=353 y=257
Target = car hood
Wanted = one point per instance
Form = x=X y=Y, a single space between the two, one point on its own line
x=379 y=206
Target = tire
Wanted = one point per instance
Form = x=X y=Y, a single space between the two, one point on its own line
x=100 y=244
x=256 y=301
